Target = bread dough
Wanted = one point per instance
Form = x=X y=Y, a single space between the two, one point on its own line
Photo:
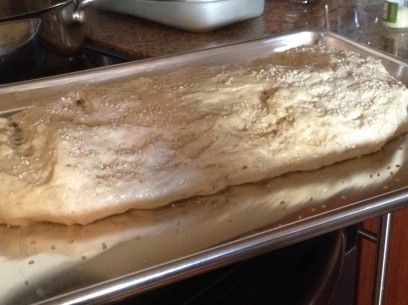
x=155 y=140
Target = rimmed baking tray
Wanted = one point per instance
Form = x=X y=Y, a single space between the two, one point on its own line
x=140 y=250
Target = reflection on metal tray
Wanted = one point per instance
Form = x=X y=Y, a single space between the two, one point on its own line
x=141 y=250
x=191 y=15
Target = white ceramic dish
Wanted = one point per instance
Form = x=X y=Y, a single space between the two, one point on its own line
x=190 y=15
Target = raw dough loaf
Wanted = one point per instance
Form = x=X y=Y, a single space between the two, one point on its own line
x=152 y=141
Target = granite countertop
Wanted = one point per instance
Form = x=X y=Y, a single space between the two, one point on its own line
x=356 y=19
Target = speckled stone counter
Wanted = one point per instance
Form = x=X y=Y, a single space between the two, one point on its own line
x=144 y=38
x=356 y=19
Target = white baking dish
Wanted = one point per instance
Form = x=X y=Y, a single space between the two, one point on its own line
x=191 y=15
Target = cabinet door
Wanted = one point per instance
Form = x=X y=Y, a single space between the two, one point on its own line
x=397 y=263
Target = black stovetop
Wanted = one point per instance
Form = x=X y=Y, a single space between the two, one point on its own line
x=90 y=57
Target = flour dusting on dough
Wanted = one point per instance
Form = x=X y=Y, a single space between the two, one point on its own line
x=155 y=140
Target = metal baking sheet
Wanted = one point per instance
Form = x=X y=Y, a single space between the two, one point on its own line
x=190 y=15
x=141 y=250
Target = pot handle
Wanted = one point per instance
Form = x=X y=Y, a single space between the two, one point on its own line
x=78 y=16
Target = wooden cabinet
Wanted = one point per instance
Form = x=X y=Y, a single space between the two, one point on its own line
x=396 y=286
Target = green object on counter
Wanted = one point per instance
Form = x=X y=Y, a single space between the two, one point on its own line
x=395 y=14
x=391 y=12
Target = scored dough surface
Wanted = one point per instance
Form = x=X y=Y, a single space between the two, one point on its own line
x=155 y=140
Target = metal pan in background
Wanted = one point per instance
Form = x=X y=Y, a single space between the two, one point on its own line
x=61 y=21
x=47 y=28
x=20 y=49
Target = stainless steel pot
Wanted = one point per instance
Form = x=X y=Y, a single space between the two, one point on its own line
x=59 y=29
x=20 y=47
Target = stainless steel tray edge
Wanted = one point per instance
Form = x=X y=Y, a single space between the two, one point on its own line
x=22 y=94
x=25 y=93
x=237 y=250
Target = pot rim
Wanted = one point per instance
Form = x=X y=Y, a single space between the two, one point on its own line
x=25 y=8
x=7 y=45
